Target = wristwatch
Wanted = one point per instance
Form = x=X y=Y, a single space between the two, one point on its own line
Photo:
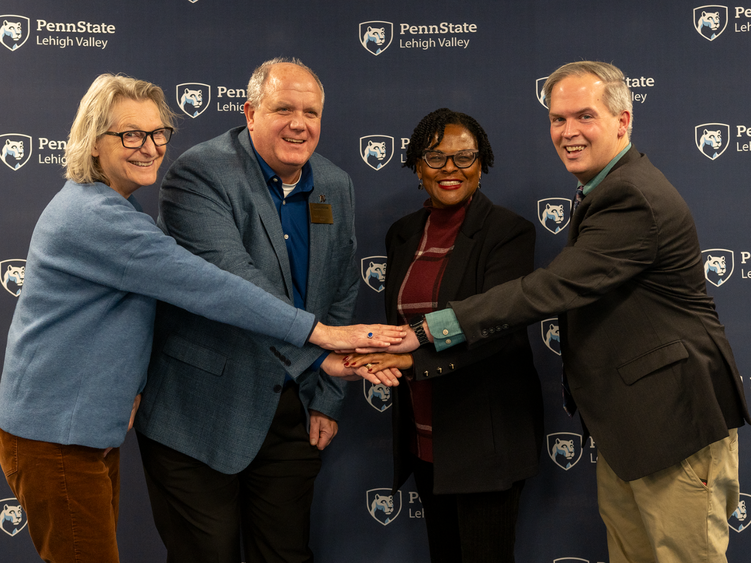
x=415 y=323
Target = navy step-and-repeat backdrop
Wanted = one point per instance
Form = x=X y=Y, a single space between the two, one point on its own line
x=385 y=64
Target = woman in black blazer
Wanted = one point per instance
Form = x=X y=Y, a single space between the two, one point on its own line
x=467 y=423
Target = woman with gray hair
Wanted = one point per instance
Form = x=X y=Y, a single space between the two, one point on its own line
x=81 y=335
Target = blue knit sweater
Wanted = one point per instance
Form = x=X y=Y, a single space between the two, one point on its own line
x=80 y=340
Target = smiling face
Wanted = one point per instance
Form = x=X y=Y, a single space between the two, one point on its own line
x=286 y=127
x=449 y=185
x=129 y=169
x=585 y=134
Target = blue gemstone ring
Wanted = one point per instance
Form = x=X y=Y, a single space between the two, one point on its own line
x=370 y=335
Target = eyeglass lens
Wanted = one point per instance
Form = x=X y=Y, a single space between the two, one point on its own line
x=462 y=159
x=135 y=139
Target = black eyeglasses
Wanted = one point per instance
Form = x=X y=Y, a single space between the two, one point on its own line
x=462 y=159
x=136 y=139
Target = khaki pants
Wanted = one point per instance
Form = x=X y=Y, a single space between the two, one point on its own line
x=672 y=516
x=70 y=495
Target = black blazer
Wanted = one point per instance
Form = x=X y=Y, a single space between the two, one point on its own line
x=646 y=356
x=487 y=403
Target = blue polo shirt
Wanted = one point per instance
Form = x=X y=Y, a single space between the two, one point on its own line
x=293 y=213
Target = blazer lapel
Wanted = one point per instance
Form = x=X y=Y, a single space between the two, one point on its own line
x=267 y=212
x=463 y=246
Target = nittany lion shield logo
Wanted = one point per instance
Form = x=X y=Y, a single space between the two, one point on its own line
x=377 y=395
x=740 y=519
x=15 y=31
x=373 y=272
x=15 y=150
x=383 y=506
x=193 y=98
x=376 y=36
x=565 y=449
x=551 y=334
x=376 y=150
x=712 y=139
x=12 y=274
x=719 y=264
x=13 y=516
x=539 y=83
x=710 y=21
x=554 y=213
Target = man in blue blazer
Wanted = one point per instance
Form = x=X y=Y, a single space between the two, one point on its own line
x=646 y=357
x=231 y=422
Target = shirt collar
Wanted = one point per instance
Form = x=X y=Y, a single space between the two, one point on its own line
x=304 y=184
x=594 y=182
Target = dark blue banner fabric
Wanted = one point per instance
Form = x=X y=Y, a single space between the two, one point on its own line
x=385 y=65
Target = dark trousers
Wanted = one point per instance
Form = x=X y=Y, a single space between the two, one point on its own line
x=203 y=515
x=468 y=528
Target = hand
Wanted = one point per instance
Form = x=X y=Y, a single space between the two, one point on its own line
x=388 y=376
x=334 y=366
x=356 y=336
x=133 y=412
x=379 y=361
x=408 y=344
x=322 y=429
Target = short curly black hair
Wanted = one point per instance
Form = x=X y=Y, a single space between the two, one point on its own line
x=424 y=136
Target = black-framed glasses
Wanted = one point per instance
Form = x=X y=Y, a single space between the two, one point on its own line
x=136 y=139
x=462 y=159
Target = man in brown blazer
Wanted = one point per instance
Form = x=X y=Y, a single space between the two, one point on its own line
x=646 y=358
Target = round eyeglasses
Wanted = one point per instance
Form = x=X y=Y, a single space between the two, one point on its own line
x=136 y=139
x=462 y=159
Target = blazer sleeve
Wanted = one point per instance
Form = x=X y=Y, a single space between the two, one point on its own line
x=511 y=256
x=616 y=239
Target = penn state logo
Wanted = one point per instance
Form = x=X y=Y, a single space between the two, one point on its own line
x=719 y=264
x=383 y=506
x=11 y=275
x=193 y=98
x=551 y=335
x=373 y=272
x=712 y=139
x=15 y=31
x=539 y=83
x=376 y=150
x=13 y=516
x=710 y=21
x=376 y=36
x=565 y=449
x=377 y=395
x=15 y=150
x=554 y=213
x=740 y=519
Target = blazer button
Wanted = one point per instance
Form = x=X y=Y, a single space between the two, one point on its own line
x=426 y=374
x=273 y=349
x=287 y=363
x=484 y=332
x=504 y=327
x=492 y=330
x=277 y=388
x=452 y=366
x=439 y=371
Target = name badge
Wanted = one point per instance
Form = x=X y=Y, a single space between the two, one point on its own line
x=320 y=213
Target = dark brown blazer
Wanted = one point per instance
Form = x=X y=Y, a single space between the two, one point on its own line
x=487 y=404
x=646 y=356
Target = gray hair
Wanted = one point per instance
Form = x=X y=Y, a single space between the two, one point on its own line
x=616 y=97
x=257 y=83
x=94 y=118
